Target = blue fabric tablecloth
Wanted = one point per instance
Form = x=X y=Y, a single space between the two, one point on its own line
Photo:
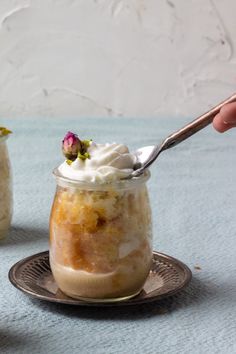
x=193 y=195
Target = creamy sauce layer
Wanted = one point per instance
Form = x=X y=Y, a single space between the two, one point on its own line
x=78 y=283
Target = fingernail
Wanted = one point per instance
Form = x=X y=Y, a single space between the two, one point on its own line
x=229 y=122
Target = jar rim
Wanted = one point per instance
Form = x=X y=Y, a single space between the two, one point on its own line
x=3 y=138
x=118 y=184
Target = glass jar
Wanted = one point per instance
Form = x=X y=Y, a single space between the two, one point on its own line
x=101 y=238
x=5 y=189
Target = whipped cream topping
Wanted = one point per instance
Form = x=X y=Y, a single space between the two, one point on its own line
x=107 y=162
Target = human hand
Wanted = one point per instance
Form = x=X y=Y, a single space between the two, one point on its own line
x=226 y=118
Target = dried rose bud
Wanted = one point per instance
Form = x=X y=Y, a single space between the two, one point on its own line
x=71 y=146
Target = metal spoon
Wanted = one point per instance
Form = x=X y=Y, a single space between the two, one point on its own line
x=148 y=154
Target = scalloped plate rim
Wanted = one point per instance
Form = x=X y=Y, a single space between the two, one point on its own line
x=70 y=301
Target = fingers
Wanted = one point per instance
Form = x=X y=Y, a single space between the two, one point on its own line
x=226 y=119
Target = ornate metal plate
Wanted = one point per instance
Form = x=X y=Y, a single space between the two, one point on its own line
x=33 y=276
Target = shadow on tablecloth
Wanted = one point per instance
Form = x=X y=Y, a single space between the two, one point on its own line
x=19 y=235
x=14 y=342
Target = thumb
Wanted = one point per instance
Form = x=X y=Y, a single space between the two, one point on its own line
x=228 y=113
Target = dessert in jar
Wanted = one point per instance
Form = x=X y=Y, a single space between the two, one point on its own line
x=100 y=224
x=5 y=184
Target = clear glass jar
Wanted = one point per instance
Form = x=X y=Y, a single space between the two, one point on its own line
x=101 y=238
x=5 y=189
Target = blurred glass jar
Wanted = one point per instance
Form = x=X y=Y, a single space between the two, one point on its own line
x=6 y=200
x=101 y=238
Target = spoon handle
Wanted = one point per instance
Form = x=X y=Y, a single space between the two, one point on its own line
x=196 y=125
x=183 y=133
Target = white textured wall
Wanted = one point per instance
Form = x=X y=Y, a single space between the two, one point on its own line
x=115 y=57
